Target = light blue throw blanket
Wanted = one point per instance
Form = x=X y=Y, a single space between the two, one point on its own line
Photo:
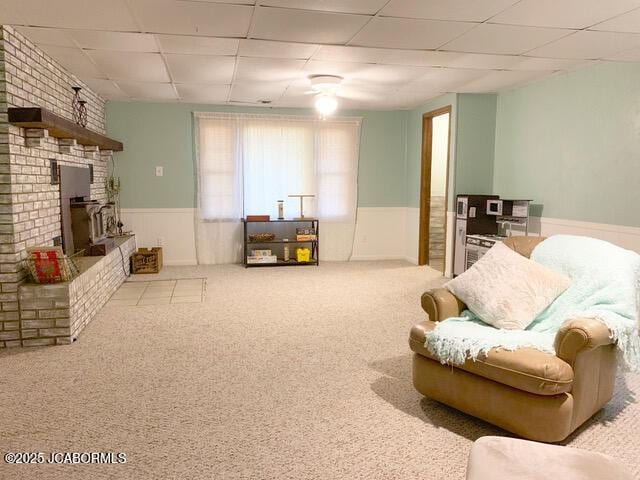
x=605 y=285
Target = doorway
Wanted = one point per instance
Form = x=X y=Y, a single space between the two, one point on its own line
x=434 y=181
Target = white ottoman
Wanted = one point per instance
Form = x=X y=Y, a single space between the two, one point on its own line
x=500 y=458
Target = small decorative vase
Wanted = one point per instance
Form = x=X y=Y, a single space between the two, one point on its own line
x=280 y=209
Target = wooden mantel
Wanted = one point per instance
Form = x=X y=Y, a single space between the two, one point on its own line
x=60 y=127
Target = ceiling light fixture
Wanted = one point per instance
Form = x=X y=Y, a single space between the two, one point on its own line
x=327 y=87
x=326 y=104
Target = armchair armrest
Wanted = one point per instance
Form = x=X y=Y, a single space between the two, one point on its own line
x=578 y=335
x=441 y=304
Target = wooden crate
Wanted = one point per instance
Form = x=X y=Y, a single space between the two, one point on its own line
x=147 y=260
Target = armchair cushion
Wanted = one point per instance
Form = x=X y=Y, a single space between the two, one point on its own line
x=507 y=290
x=526 y=369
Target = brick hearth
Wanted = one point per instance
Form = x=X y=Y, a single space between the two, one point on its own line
x=30 y=204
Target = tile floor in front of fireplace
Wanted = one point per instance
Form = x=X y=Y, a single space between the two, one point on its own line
x=159 y=292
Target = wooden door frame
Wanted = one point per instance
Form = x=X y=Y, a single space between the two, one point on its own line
x=425 y=182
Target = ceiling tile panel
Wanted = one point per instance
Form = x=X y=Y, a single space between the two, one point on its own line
x=148 y=91
x=409 y=33
x=575 y=14
x=47 y=36
x=632 y=55
x=479 y=60
x=344 y=69
x=348 y=95
x=130 y=66
x=256 y=92
x=270 y=49
x=305 y=26
x=387 y=74
x=462 y=10
x=89 y=14
x=504 y=39
x=198 y=93
x=589 y=45
x=629 y=22
x=368 y=7
x=119 y=41
x=536 y=63
x=235 y=2
x=495 y=81
x=201 y=68
x=408 y=97
x=389 y=56
x=446 y=79
x=74 y=60
x=107 y=89
x=192 y=18
x=250 y=69
x=190 y=45
x=10 y=14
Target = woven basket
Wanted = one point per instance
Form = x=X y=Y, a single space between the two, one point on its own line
x=261 y=237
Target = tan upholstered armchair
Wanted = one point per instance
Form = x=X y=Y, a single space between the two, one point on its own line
x=536 y=395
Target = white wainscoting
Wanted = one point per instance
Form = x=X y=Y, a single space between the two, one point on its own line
x=173 y=227
x=623 y=236
x=412 y=235
x=382 y=233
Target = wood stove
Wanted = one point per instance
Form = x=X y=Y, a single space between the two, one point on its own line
x=85 y=222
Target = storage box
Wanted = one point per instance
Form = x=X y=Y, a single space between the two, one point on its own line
x=251 y=259
x=303 y=254
x=147 y=260
x=258 y=218
x=260 y=253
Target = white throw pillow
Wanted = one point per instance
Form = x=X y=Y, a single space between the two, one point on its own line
x=507 y=290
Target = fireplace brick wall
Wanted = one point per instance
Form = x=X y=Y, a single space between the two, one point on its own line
x=29 y=204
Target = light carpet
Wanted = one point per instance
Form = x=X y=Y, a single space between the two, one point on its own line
x=281 y=373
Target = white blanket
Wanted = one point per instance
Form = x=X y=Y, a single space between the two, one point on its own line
x=605 y=286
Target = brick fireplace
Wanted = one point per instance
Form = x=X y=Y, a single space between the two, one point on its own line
x=30 y=204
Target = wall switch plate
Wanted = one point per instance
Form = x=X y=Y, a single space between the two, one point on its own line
x=159 y=171
x=160 y=241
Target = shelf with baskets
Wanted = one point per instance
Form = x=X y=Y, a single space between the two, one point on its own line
x=281 y=238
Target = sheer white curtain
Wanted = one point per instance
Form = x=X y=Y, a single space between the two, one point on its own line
x=247 y=162
x=219 y=203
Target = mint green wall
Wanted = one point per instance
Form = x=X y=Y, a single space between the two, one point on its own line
x=475 y=140
x=157 y=134
x=472 y=144
x=414 y=145
x=572 y=143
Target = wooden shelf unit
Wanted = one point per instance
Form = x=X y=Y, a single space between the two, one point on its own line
x=315 y=252
x=60 y=127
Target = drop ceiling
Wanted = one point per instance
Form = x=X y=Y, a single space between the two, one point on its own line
x=393 y=54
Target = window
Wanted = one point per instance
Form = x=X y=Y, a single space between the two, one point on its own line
x=249 y=162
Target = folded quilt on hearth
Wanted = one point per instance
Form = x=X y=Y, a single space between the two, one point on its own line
x=605 y=286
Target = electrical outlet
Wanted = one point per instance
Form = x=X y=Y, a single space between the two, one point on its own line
x=159 y=171
x=160 y=241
